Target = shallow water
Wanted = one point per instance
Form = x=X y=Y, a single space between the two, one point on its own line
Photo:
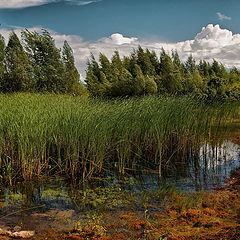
x=56 y=204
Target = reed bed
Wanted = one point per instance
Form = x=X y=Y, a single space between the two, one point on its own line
x=47 y=134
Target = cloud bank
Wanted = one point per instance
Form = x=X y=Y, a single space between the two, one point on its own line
x=31 y=3
x=211 y=43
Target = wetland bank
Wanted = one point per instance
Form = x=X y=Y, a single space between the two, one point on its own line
x=141 y=150
x=144 y=168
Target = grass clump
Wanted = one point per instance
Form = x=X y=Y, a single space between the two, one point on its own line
x=49 y=134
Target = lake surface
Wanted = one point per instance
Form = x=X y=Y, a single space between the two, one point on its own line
x=57 y=204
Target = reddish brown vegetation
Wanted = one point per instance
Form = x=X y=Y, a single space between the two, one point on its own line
x=216 y=216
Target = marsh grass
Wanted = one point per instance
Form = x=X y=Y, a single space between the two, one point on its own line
x=80 y=138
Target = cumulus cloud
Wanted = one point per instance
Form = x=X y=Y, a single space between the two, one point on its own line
x=118 y=39
x=222 y=17
x=212 y=37
x=211 y=43
x=32 y=3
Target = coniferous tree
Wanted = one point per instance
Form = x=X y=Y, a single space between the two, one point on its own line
x=122 y=83
x=93 y=76
x=171 y=80
x=218 y=70
x=150 y=86
x=72 y=75
x=139 y=82
x=117 y=65
x=97 y=82
x=177 y=62
x=143 y=73
x=2 y=57
x=233 y=90
x=154 y=61
x=19 y=74
x=176 y=59
x=130 y=62
x=124 y=86
x=47 y=62
x=190 y=65
x=106 y=66
x=204 y=68
x=195 y=84
x=144 y=62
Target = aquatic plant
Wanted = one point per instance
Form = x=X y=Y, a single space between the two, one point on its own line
x=79 y=138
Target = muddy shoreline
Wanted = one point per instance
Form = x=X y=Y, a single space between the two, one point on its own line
x=205 y=215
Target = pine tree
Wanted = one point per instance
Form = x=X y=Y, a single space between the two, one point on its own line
x=194 y=84
x=97 y=82
x=117 y=64
x=204 y=69
x=47 y=61
x=177 y=62
x=176 y=58
x=154 y=61
x=72 y=75
x=2 y=56
x=19 y=72
x=144 y=62
x=124 y=86
x=92 y=83
x=190 y=65
x=139 y=82
x=171 y=79
x=218 y=70
x=106 y=66
x=92 y=76
x=150 y=86
x=122 y=79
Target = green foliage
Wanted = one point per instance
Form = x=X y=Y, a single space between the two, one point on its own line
x=143 y=73
x=73 y=84
x=40 y=66
x=2 y=56
x=46 y=59
x=171 y=79
x=45 y=134
x=19 y=74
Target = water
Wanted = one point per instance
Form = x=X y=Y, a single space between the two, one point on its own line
x=56 y=204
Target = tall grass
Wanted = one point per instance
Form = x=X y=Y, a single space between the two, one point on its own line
x=45 y=134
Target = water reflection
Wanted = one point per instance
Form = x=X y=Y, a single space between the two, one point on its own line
x=58 y=204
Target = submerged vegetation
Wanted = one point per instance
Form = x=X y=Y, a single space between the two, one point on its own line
x=79 y=138
x=113 y=212
x=171 y=123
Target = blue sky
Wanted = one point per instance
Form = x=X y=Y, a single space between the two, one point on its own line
x=171 y=20
x=89 y=24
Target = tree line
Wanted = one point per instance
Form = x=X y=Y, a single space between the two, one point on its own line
x=143 y=72
x=34 y=64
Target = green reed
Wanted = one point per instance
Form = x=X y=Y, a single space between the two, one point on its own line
x=48 y=134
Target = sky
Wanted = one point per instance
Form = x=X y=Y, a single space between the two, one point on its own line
x=206 y=29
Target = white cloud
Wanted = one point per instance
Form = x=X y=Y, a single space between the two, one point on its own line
x=32 y=3
x=222 y=17
x=118 y=39
x=211 y=43
x=21 y=3
x=81 y=3
x=212 y=37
